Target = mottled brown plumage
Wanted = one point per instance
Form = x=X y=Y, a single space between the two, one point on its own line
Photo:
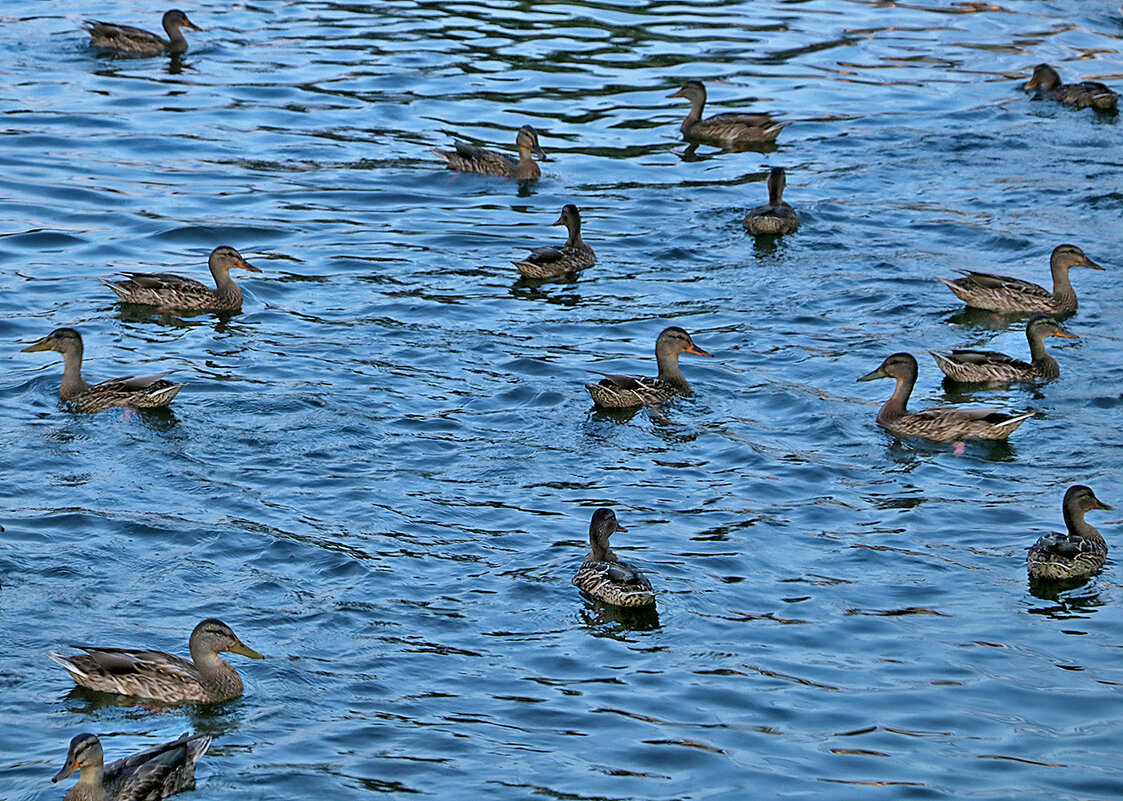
x=151 y=775
x=551 y=262
x=604 y=577
x=171 y=292
x=622 y=391
x=1076 y=554
x=724 y=130
x=469 y=158
x=777 y=218
x=1087 y=94
x=991 y=367
x=126 y=40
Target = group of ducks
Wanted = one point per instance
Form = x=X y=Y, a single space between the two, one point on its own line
x=154 y=675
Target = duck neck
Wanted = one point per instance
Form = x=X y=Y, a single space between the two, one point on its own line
x=90 y=785
x=176 y=42
x=215 y=673
x=573 y=225
x=1042 y=361
x=775 y=192
x=225 y=285
x=895 y=407
x=600 y=552
x=1074 y=521
x=1062 y=286
x=697 y=103
x=669 y=370
x=72 y=382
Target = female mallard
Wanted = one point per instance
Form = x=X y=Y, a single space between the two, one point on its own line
x=1005 y=294
x=622 y=391
x=129 y=41
x=139 y=392
x=777 y=218
x=151 y=775
x=550 y=262
x=1088 y=94
x=949 y=424
x=722 y=129
x=164 y=677
x=174 y=293
x=469 y=158
x=988 y=366
x=1074 y=555
x=606 y=578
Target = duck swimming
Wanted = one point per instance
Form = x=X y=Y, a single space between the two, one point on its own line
x=603 y=576
x=727 y=129
x=551 y=262
x=129 y=41
x=949 y=424
x=777 y=218
x=622 y=391
x=1076 y=554
x=161 y=676
x=151 y=775
x=174 y=293
x=1004 y=294
x=1087 y=94
x=469 y=158
x=138 y=392
x=987 y=366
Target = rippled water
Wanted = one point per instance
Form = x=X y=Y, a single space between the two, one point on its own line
x=381 y=472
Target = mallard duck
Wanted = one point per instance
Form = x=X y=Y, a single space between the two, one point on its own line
x=949 y=424
x=469 y=158
x=127 y=40
x=603 y=576
x=621 y=391
x=139 y=392
x=723 y=129
x=1005 y=294
x=550 y=262
x=174 y=293
x=1088 y=94
x=988 y=366
x=1076 y=554
x=777 y=218
x=151 y=775
x=164 y=677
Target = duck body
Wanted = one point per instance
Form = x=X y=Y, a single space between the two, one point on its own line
x=950 y=424
x=138 y=392
x=1005 y=294
x=1076 y=554
x=615 y=391
x=161 y=676
x=1087 y=94
x=777 y=218
x=728 y=129
x=470 y=158
x=151 y=775
x=989 y=367
x=603 y=576
x=552 y=262
x=172 y=292
x=126 y=40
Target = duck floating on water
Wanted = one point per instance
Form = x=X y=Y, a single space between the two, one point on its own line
x=1076 y=554
x=728 y=129
x=623 y=391
x=989 y=367
x=129 y=41
x=161 y=676
x=603 y=576
x=948 y=424
x=1004 y=294
x=777 y=218
x=551 y=262
x=170 y=292
x=469 y=158
x=138 y=392
x=1087 y=94
x=151 y=775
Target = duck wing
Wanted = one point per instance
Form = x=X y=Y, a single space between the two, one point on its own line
x=110 y=34
x=164 y=281
x=157 y=772
x=1003 y=283
x=985 y=357
x=136 y=383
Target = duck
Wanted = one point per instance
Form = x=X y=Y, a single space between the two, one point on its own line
x=1076 y=554
x=172 y=292
x=151 y=775
x=130 y=41
x=604 y=577
x=138 y=392
x=1004 y=294
x=723 y=129
x=987 y=366
x=1087 y=94
x=948 y=424
x=551 y=262
x=163 y=677
x=469 y=158
x=623 y=391
x=777 y=218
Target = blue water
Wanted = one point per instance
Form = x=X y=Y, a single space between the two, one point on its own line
x=381 y=472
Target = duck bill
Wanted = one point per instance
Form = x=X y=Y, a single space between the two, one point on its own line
x=1063 y=334
x=559 y=221
x=1089 y=263
x=676 y=93
x=34 y=346
x=697 y=351
x=70 y=766
x=240 y=648
x=1033 y=84
x=536 y=150
x=1100 y=504
x=245 y=265
x=620 y=528
x=191 y=25
x=878 y=373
